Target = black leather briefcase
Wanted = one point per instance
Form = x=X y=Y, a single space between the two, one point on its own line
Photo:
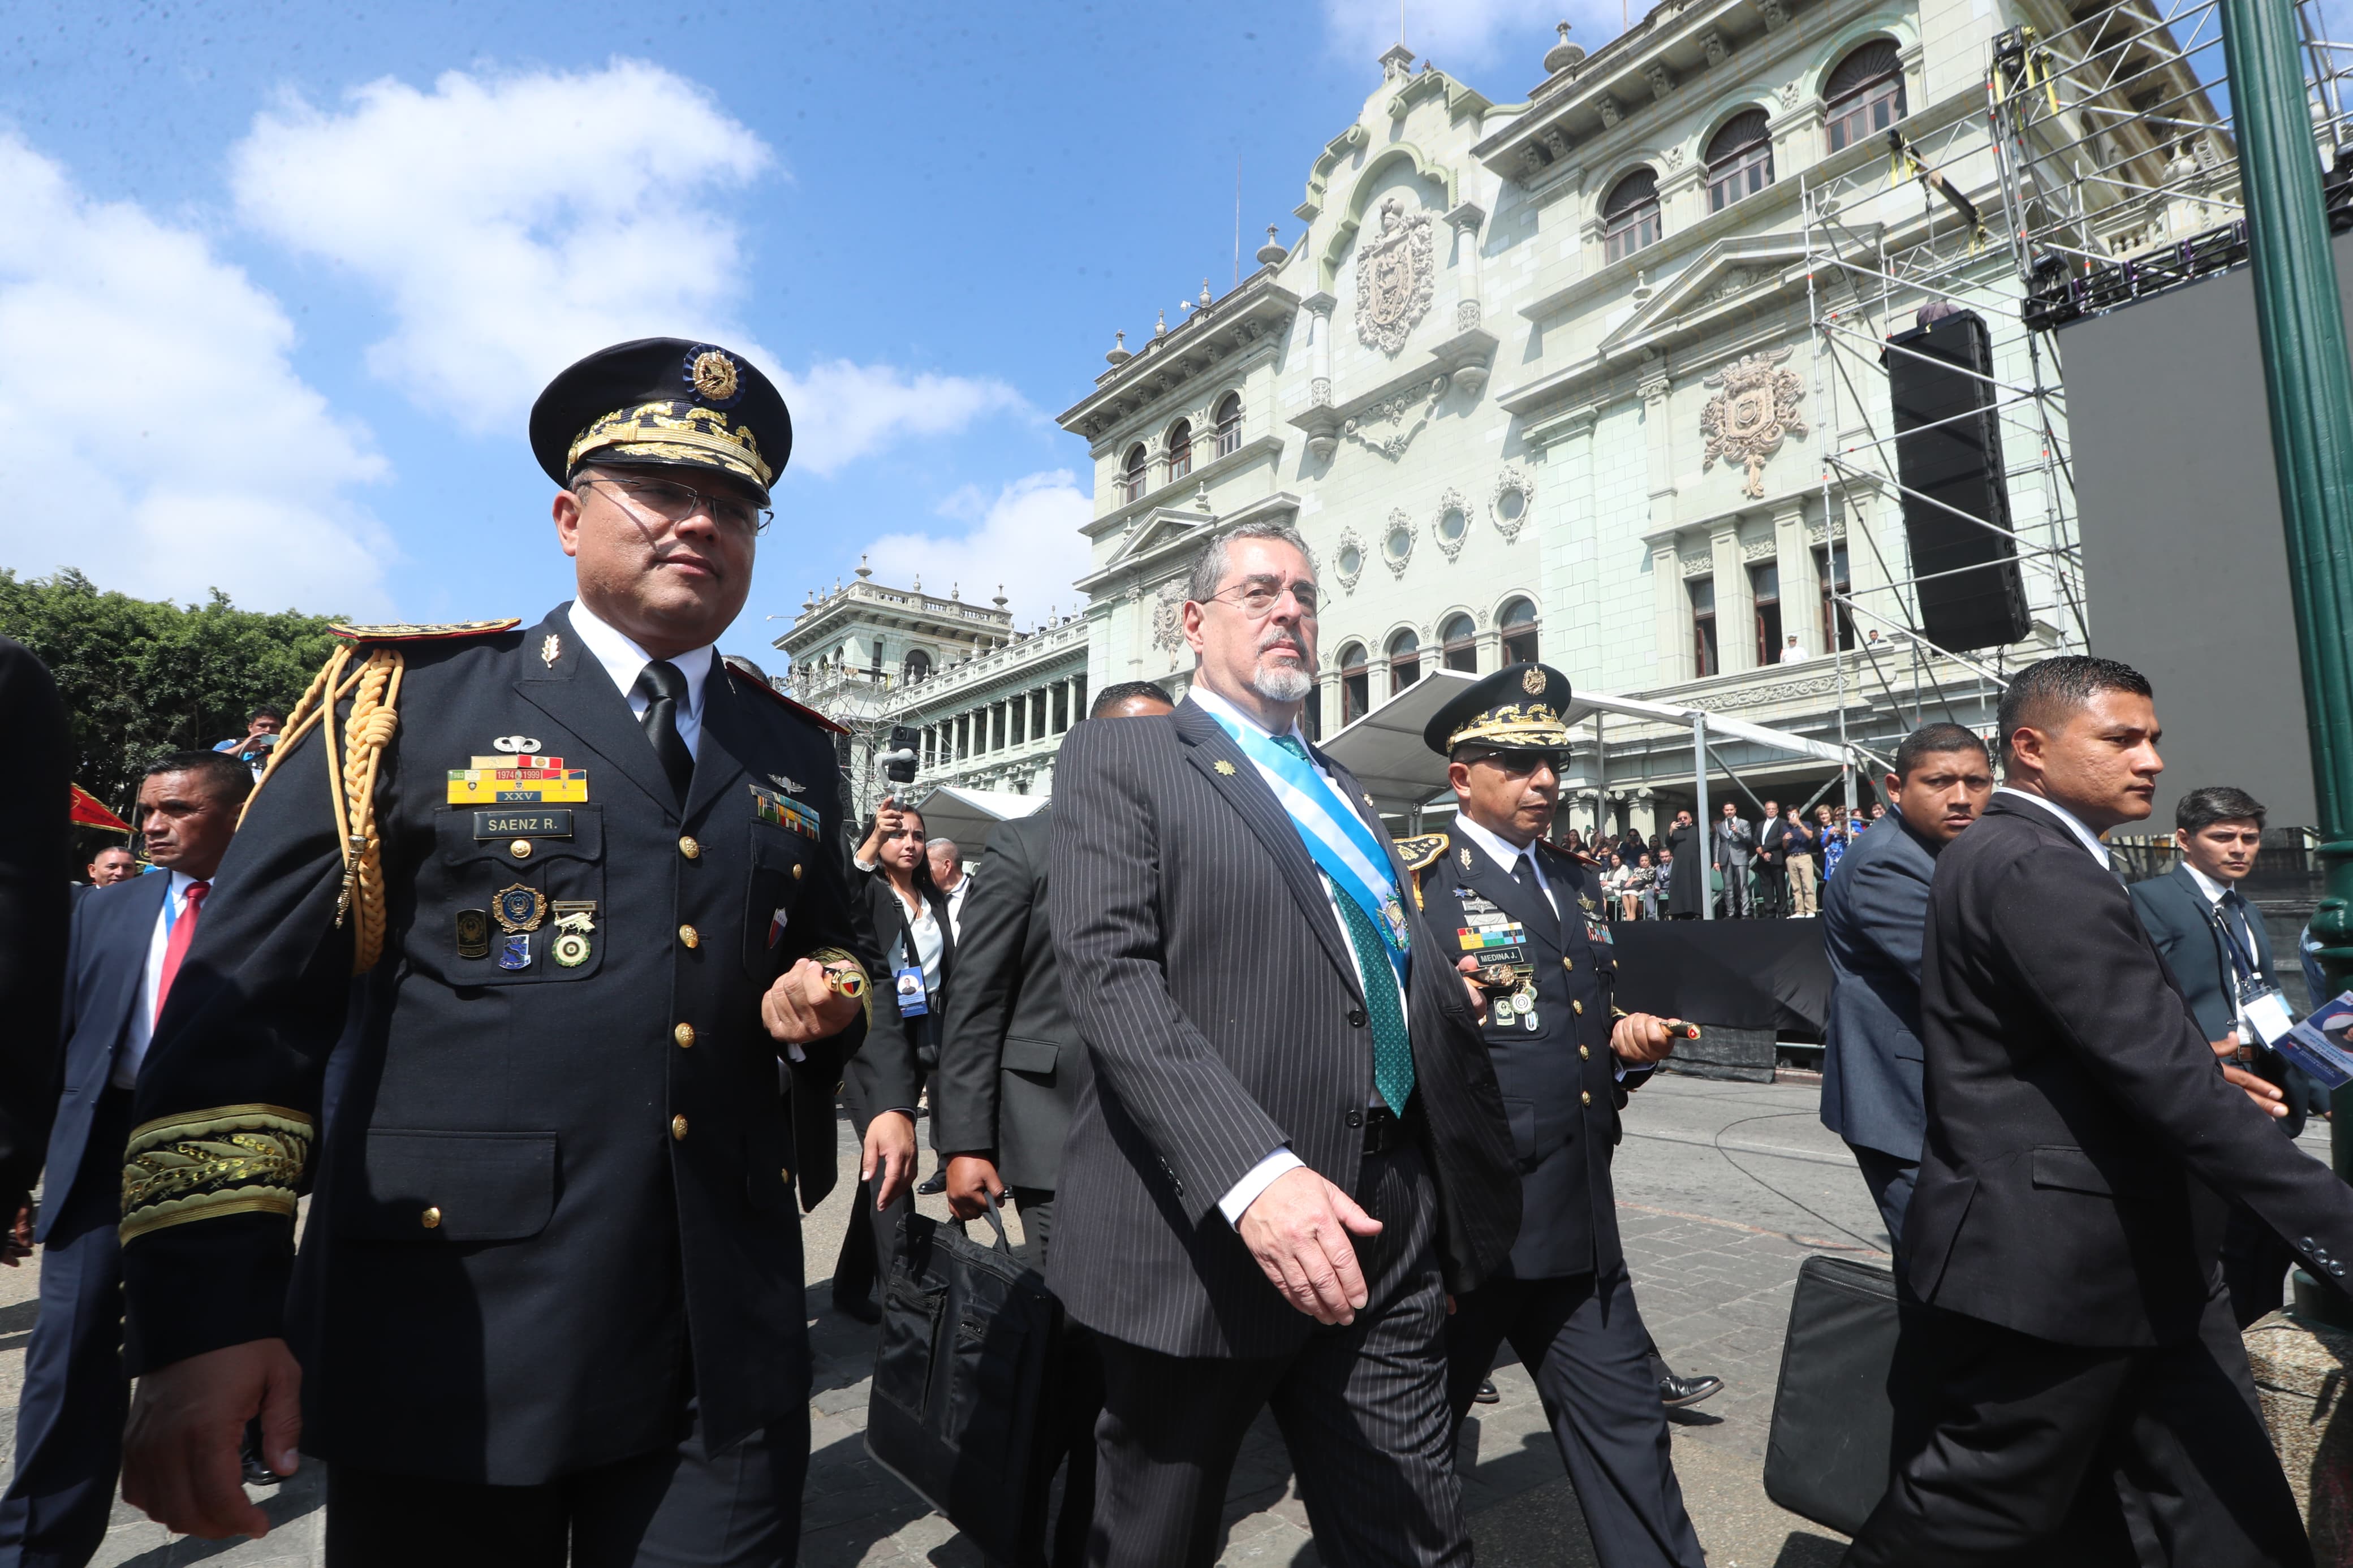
x=1834 y=1418
x=962 y=1398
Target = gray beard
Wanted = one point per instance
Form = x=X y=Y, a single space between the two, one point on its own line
x=1281 y=683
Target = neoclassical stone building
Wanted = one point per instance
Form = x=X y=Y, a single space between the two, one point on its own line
x=1550 y=378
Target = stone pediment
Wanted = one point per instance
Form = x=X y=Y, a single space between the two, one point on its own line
x=1165 y=535
x=1729 y=274
x=1155 y=529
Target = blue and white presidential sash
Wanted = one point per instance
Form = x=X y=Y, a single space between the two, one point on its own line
x=1337 y=838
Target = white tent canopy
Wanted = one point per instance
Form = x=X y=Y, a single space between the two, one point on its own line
x=968 y=816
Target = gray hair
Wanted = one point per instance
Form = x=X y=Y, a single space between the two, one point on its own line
x=1210 y=565
x=945 y=848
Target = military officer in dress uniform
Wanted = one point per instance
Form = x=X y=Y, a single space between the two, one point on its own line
x=580 y=889
x=1525 y=922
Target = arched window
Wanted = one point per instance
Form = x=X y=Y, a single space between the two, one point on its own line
x=1740 y=160
x=1518 y=622
x=1405 y=660
x=1629 y=216
x=1180 y=449
x=1355 y=684
x=1132 y=474
x=918 y=667
x=1864 y=95
x=1230 y=423
x=1460 y=641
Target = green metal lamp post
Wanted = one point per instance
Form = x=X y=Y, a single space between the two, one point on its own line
x=2309 y=385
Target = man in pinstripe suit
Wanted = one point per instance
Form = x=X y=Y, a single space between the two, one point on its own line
x=1293 y=1145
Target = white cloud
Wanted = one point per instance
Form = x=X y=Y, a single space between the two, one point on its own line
x=842 y=411
x=165 y=444
x=1462 y=33
x=1027 y=539
x=512 y=223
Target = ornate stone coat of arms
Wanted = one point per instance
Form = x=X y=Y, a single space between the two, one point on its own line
x=1747 y=419
x=1397 y=273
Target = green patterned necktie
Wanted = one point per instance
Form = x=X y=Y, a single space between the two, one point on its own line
x=1392 y=1050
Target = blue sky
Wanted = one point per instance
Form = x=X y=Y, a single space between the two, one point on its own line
x=279 y=281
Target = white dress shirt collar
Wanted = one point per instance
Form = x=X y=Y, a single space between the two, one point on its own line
x=624 y=660
x=141 y=1033
x=2067 y=819
x=1218 y=707
x=1499 y=849
x=2207 y=885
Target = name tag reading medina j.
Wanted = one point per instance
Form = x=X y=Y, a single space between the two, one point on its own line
x=518 y=786
x=523 y=823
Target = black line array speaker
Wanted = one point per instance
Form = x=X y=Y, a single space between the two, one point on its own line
x=1949 y=456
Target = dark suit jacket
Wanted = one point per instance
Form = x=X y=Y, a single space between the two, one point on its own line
x=1557 y=1081
x=2182 y=922
x=1011 y=1062
x=2078 y=1125
x=1874 y=918
x=32 y=904
x=1214 y=988
x=542 y=1202
x=106 y=966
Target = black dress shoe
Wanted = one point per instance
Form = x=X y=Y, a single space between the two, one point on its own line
x=1487 y=1394
x=1683 y=1393
x=933 y=1184
x=861 y=1308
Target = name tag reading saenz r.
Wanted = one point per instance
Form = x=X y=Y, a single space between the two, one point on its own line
x=523 y=824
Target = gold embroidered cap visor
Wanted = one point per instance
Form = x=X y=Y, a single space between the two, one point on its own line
x=1518 y=707
x=663 y=403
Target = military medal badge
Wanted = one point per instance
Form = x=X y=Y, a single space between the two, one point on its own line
x=574 y=922
x=519 y=908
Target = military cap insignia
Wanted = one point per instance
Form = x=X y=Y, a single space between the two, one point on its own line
x=1533 y=682
x=406 y=631
x=712 y=375
x=1224 y=767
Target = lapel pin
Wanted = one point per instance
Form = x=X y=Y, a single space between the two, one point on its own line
x=1466 y=852
x=1226 y=768
x=551 y=649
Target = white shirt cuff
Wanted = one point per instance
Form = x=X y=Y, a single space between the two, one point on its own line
x=865 y=865
x=1261 y=1177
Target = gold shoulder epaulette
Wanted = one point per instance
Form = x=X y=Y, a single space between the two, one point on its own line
x=1421 y=851
x=754 y=683
x=402 y=631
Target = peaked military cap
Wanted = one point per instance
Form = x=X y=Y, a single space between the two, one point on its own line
x=663 y=403
x=1519 y=705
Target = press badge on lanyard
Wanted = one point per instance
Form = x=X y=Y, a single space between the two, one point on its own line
x=912 y=1004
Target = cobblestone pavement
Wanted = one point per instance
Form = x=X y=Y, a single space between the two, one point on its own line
x=1724 y=1189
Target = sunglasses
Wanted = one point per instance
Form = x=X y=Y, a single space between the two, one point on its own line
x=1518 y=764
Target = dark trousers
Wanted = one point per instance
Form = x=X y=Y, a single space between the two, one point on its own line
x=868 y=1249
x=1891 y=1179
x=2254 y=1266
x=2019 y=1451
x=675 y=1507
x=70 y=1419
x=1773 y=889
x=1362 y=1408
x=1079 y=1393
x=1584 y=1343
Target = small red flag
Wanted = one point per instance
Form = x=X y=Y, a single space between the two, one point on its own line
x=85 y=809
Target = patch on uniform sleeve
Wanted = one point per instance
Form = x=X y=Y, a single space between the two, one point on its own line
x=231 y=1159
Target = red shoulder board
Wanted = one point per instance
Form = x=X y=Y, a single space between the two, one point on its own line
x=403 y=632
x=754 y=683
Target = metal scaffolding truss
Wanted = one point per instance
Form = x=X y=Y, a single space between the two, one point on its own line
x=2105 y=169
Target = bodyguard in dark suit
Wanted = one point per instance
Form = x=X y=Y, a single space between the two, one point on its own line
x=549 y=1298
x=1011 y=1061
x=1293 y=1121
x=34 y=783
x=128 y=943
x=1527 y=924
x=1874 y=918
x=2214 y=943
x=2091 y=1401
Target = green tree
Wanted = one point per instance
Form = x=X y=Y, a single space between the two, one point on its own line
x=142 y=677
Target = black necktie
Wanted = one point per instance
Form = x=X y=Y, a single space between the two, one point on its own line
x=663 y=688
x=2242 y=940
x=1523 y=873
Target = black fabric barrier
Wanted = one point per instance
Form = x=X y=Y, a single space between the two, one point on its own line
x=1747 y=974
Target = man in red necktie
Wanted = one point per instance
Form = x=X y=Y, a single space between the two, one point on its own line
x=128 y=939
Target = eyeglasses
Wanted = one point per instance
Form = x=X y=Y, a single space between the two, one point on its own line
x=1258 y=596
x=674 y=503
x=1519 y=764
